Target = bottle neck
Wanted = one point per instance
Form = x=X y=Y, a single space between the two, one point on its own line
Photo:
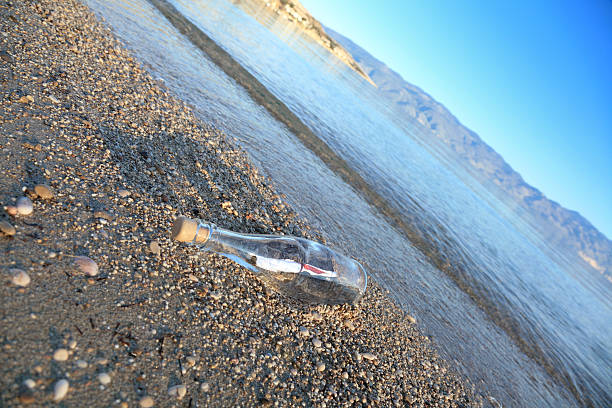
x=209 y=237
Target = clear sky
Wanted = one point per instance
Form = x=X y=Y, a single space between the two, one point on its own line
x=532 y=78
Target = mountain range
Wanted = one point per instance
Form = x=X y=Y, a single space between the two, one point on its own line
x=565 y=230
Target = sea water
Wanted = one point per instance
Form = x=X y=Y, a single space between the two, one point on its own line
x=525 y=326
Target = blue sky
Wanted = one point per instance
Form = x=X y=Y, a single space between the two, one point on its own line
x=533 y=79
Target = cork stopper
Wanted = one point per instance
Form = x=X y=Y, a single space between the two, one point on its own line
x=186 y=230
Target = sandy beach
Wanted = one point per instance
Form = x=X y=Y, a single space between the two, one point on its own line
x=116 y=159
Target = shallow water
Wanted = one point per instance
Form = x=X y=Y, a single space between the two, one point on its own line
x=515 y=318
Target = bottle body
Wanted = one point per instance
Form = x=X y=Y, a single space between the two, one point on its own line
x=296 y=267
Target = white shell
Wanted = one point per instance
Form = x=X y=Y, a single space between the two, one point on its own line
x=19 y=277
x=60 y=390
x=86 y=265
x=24 y=206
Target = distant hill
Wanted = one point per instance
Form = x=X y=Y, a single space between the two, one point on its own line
x=294 y=12
x=565 y=229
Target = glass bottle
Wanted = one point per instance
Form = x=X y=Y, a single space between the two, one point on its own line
x=296 y=267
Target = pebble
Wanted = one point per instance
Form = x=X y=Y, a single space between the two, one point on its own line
x=104 y=378
x=190 y=361
x=30 y=383
x=44 y=191
x=11 y=210
x=178 y=391
x=304 y=332
x=123 y=193
x=24 y=206
x=205 y=387
x=146 y=402
x=81 y=364
x=60 y=354
x=60 y=389
x=215 y=295
x=320 y=367
x=316 y=316
x=26 y=397
x=103 y=215
x=86 y=265
x=316 y=342
x=369 y=356
x=20 y=277
x=155 y=248
x=7 y=228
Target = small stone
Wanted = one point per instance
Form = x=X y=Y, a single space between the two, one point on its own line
x=5 y=56
x=349 y=325
x=345 y=375
x=178 y=391
x=7 y=228
x=316 y=342
x=26 y=397
x=26 y=99
x=30 y=383
x=146 y=402
x=53 y=99
x=205 y=387
x=72 y=344
x=316 y=316
x=369 y=356
x=24 y=206
x=123 y=193
x=19 y=277
x=215 y=295
x=304 y=332
x=60 y=389
x=411 y=319
x=320 y=367
x=155 y=248
x=11 y=210
x=81 y=364
x=103 y=215
x=104 y=378
x=44 y=191
x=86 y=265
x=190 y=361
x=60 y=354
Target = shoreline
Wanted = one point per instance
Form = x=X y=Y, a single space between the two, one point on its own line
x=160 y=321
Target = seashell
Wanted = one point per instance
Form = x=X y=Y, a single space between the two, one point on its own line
x=60 y=389
x=19 y=277
x=24 y=206
x=86 y=265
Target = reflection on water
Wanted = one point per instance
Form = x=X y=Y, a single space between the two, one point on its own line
x=448 y=251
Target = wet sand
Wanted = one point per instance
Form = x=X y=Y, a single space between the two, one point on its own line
x=160 y=322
